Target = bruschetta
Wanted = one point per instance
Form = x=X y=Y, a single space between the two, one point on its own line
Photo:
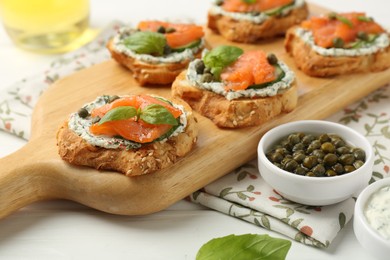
x=134 y=134
x=249 y=21
x=338 y=44
x=236 y=89
x=156 y=52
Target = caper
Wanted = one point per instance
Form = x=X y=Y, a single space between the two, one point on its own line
x=290 y=165
x=219 y=2
x=255 y=13
x=282 y=151
x=161 y=29
x=310 y=174
x=278 y=165
x=272 y=59
x=167 y=49
x=330 y=173
x=332 y=15
x=310 y=161
x=299 y=157
x=330 y=159
x=307 y=139
x=300 y=171
x=83 y=112
x=338 y=168
x=285 y=161
x=347 y=159
x=112 y=98
x=357 y=164
x=318 y=153
x=199 y=67
x=276 y=157
x=313 y=146
x=338 y=143
x=324 y=138
x=338 y=42
x=207 y=77
x=170 y=30
x=319 y=170
x=293 y=139
x=349 y=168
x=362 y=35
x=342 y=150
x=359 y=154
x=327 y=147
x=298 y=147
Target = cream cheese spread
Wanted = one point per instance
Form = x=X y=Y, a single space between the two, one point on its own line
x=174 y=57
x=380 y=43
x=81 y=126
x=219 y=87
x=377 y=212
x=257 y=19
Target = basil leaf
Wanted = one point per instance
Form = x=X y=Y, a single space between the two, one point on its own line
x=146 y=43
x=119 y=113
x=249 y=1
x=365 y=18
x=248 y=246
x=157 y=114
x=220 y=57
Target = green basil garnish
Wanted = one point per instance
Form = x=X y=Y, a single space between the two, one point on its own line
x=365 y=18
x=249 y=1
x=157 y=114
x=152 y=114
x=248 y=246
x=146 y=43
x=220 y=57
x=119 y=113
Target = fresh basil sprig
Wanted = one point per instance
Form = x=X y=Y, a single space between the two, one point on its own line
x=157 y=114
x=220 y=57
x=152 y=114
x=146 y=43
x=248 y=246
x=119 y=113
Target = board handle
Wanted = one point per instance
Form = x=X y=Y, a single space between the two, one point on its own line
x=22 y=179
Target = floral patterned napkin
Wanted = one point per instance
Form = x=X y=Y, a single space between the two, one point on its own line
x=242 y=193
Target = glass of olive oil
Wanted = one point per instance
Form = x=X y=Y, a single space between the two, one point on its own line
x=48 y=26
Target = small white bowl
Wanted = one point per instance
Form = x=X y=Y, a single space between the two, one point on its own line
x=315 y=191
x=366 y=235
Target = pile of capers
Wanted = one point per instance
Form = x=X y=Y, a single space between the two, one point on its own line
x=323 y=155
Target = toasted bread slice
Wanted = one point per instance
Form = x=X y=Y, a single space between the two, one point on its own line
x=314 y=64
x=235 y=113
x=149 y=158
x=248 y=32
x=150 y=73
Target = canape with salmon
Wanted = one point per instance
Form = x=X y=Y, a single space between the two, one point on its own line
x=156 y=52
x=134 y=134
x=339 y=43
x=249 y=21
x=237 y=89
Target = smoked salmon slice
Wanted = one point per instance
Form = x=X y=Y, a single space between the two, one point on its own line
x=346 y=27
x=182 y=34
x=250 y=68
x=130 y=129
x=259 y=6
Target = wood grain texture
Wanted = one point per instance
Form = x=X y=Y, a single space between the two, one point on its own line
x=36 y=172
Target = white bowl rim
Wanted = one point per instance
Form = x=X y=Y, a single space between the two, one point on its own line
x=290 y=175
x=361 y=202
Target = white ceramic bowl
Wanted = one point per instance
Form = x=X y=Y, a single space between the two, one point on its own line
x=367 y=236
x=315 y=191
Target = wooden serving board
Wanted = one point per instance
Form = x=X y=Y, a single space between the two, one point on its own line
x=36 y=172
